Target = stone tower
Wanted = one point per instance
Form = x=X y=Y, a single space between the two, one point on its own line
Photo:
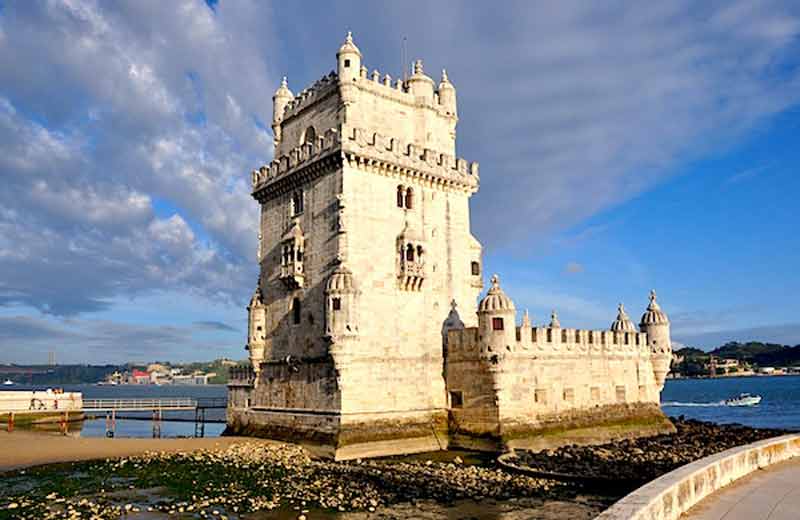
x=366 y=252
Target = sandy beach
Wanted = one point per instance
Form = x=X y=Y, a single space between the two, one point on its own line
x=24 y=449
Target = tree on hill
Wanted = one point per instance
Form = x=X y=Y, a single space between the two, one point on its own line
x=746 y=351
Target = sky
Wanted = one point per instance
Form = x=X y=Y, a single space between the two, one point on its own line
x=623 y=146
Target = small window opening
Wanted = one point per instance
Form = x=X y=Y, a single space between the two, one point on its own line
x=563 y=336
x=347 y=64
x=410 y=253
x=296 y=311
x=476 y=268
x=400 y=196
x=337 y=304
x=456 y=399
x=409 y=198
x=577 y=336
x=591 y=338
x=549 y=335
x=497 y=323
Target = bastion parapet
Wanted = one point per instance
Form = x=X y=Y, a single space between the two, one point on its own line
x=365 y=334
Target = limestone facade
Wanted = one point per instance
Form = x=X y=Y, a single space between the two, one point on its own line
x=363 y=327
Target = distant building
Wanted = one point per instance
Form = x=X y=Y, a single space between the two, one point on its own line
x=140 y=377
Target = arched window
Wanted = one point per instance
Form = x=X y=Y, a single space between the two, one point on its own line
x=409 y=198
x=296 y=311
x=309 y=136
x=409 y=253
x=336 y=304
x=497 y=323
x=400 y=196
x=419 y=254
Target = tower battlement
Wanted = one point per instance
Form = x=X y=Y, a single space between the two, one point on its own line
x=378 y=152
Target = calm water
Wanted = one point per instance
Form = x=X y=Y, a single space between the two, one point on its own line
x=695 y=398
x=703 y=399
x=144 y=428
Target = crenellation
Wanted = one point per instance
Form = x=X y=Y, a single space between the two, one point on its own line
x=365 y=322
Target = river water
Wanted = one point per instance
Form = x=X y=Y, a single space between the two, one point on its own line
x=704 y=399
x=694 y=398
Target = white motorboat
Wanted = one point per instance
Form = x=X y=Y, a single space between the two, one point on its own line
x=8 y=382
x=743 y=400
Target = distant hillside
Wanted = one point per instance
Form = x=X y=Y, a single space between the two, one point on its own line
x=761 y=354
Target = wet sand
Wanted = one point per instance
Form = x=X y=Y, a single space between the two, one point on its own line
x=22 y=449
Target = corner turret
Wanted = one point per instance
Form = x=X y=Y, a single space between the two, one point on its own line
x=656 y=324
x=256 y=330
x=447 y=95
x=497 y=318
x=341 y=315
x=420 y=85
x=281 y=98
x=349 y=60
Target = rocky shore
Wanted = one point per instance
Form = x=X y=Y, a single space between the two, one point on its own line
x=251 y=477
x=259 y=480
x=631 y=463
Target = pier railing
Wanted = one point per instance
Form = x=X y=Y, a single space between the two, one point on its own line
x=142 y=405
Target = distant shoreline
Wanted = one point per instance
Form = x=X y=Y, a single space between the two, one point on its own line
x=728 y=376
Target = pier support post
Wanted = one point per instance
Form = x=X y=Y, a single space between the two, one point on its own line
x=10 y=422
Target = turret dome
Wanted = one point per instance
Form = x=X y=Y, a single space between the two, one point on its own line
x=654 y=315
x=623 y=323
x=283 y=91
x=554 y=323
x=495 y=299
x=348 y=47
x=340 y=281
x=257 y=300
x=445 y=84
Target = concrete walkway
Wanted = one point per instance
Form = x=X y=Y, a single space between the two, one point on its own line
x=773 y=493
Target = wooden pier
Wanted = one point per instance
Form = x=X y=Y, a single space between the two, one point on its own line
x=111 y=406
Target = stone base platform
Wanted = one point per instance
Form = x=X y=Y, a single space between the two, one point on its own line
x=342 y=436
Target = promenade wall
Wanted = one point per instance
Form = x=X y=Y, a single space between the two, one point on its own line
x=671 y=495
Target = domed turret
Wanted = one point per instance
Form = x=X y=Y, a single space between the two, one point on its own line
x=256 y=330
x=281 y=98
x=623 y=323
x=447 y=94
x=340 y=304
x=420 y=85
x=349 y=60
x=496 y=318
x=656 y=324
x=554 y=323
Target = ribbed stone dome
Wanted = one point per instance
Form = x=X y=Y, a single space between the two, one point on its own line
x=495 y=300
x=348 y=47
x=340 y=281
x=654 y=315
x=623 y=323
x=283 y=91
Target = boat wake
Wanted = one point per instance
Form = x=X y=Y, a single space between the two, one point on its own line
x=699 y=405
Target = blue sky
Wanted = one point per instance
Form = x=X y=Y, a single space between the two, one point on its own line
x=631 y=146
